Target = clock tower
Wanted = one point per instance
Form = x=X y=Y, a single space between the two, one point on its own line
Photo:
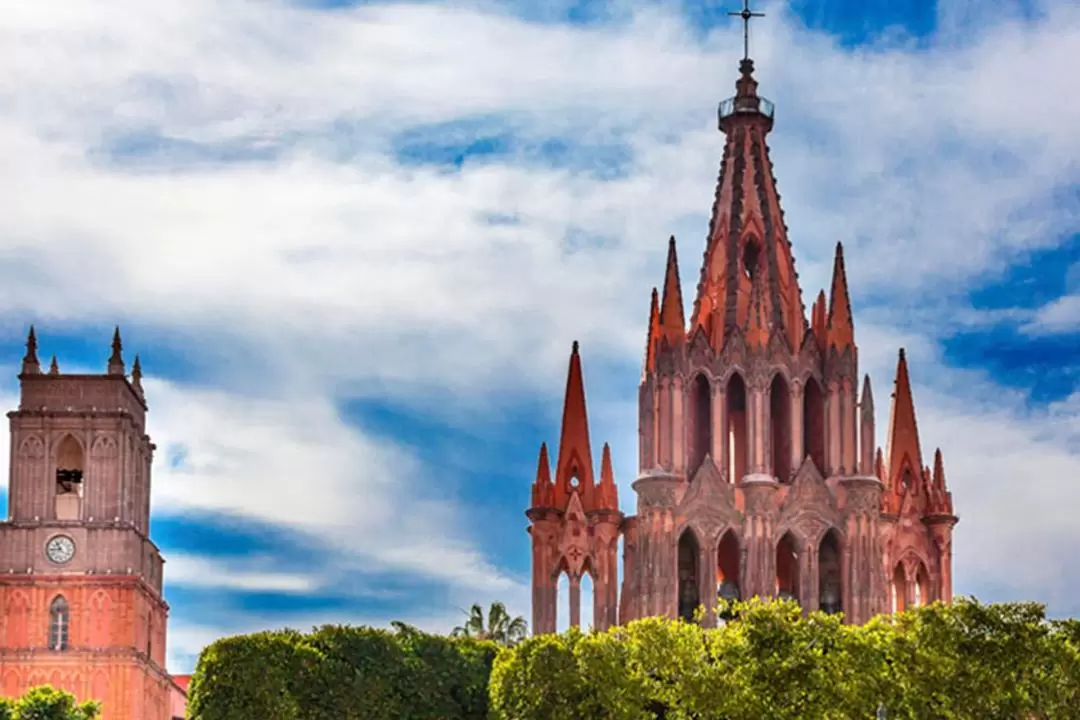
x=81 y=604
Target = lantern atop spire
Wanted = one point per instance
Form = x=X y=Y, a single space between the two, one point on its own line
x=746 y=101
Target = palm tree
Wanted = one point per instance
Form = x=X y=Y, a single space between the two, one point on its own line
x=499 y=628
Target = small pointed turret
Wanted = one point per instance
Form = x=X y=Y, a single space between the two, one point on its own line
x=879 y=466
x=840 y=328
x=30 y=364
x=654 y=333
x=136 y=375
x=940 y=497
x=574 y=468
x=904 y=455
x=609 y=493
x=116 y=360
x=817 y=319
x=54 y=367
x=542 y=495
x=866 y=429
x=672 y=317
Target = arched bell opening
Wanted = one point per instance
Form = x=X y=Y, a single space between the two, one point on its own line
x=736 y=427
x=787 y=569
x=689 y=591
x=813 y=422
x=728 y=582
x=898 y=589
x=780 y=427
x=830 y=592
x=923 y=592
x=70 y=467
x=700 y=422
x=588 y=600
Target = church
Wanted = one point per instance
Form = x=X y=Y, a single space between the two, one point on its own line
x=81 y=604
x=759 y=473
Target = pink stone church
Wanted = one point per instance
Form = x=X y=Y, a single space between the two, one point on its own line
x=759 y=472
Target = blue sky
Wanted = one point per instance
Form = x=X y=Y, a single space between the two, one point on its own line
x=353 y=242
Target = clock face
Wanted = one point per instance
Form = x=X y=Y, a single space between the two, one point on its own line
x=60 y=549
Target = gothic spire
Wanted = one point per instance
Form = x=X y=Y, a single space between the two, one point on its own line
x=672 y=317
x=609 y=493
x=542 y=488
x=866 y=429
x=840 y=327
x=30 y=364
x=654 y=333
x=574 y=468
x=116 y=360
x=747 y=235
x=136 y=375
x=54 y=367
x=903 y=454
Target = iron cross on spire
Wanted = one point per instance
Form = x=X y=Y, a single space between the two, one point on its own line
x=746 y=14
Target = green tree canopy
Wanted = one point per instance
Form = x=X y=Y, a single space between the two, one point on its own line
x=47 y=703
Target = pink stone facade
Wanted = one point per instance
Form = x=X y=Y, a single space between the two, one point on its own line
x=759 y=472
x=81 y=604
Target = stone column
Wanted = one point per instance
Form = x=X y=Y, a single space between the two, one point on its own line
x=707 y=581
x=678 y=426
x=758 y=539
x=575 y=600
x=834 y=429
x=656 y=546
x=720 y=432
x=849 y=452
x=797 y=440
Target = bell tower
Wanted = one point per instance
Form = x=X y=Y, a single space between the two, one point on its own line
x=81 y=604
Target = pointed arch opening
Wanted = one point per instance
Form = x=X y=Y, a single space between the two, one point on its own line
x=59 y=623
x=830 y=591
x=750 y=258
x=813 y=423
x=923 y=592
x=562 y=602
x=70 y=465
x=689 y=593
x=780 y=427
x=588 y=600
x=736 y=427
x=787 y=569
x=728 y=557
x=898 y=589
x=700 y=422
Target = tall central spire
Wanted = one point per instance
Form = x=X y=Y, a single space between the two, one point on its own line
x=748 y=244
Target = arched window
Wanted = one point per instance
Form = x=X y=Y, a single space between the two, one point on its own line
x=701 y=419
x=829 y=591
x=750 y=259
x=899 y=590
x=59 y=621
x=780 y=428
x=727 y=570
x=69 y=466
x=813 y=420
x=787 y=569
x=923 y=593
x=689 y=595
x=736 y=428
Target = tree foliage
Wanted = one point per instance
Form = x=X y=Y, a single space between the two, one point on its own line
x=967 y=661
x=47 y=703
x=345 y=673
x=499 y=626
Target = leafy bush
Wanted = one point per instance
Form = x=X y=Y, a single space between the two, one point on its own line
x=345 y=673
x=47 y=703
x=967 y=661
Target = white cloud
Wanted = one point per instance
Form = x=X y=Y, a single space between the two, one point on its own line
x=194 y=571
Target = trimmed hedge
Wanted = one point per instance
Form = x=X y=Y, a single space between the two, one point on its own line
x=958 y=662
x=345 y=673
